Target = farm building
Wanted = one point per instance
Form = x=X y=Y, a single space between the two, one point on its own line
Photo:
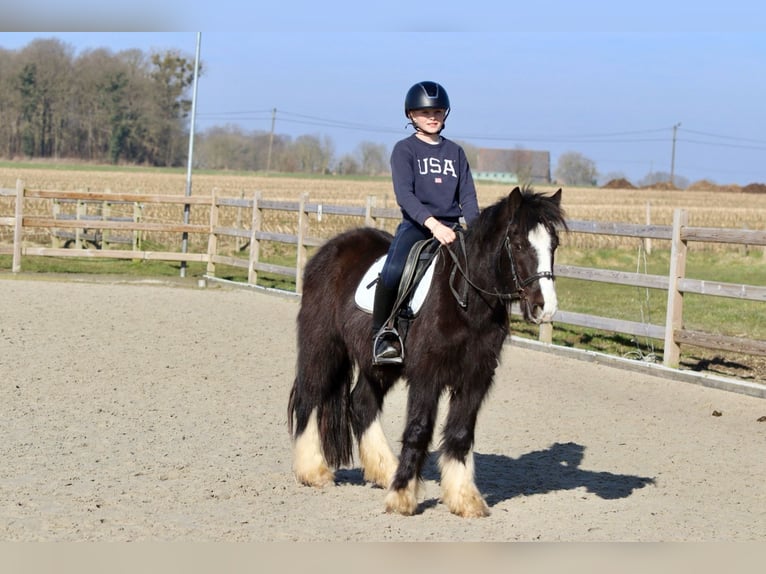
x=513 y=165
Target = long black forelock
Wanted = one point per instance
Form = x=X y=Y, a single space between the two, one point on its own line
x=535 y=209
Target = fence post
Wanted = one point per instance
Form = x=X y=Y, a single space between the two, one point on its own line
x=137 y=235
x=80 y=210
x=255 y=242
x=303 y=224
x=369 y=220
x=648 y=240
x=674 y=316
x=238 y=239
x=56 y=209
x=212 y=238
x=17 y=223
x=106 y=214
x=545 y=334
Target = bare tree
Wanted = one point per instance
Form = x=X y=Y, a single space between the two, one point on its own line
x=348 y=165
x=373 y=158
x=573 y=168
x=663 y=177
x=312 y=154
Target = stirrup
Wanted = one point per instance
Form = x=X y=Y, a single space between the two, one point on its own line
x=389 y=355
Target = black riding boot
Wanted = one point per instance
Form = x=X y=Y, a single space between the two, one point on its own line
x=387 y=346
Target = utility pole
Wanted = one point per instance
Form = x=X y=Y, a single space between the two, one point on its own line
x=673 y=155
x=271 y=139
x=188 y=190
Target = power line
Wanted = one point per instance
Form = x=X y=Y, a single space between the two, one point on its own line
x=618 y=137
x=726 y=137
x=722 y=144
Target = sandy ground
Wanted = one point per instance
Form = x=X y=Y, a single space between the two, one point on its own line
x=138 y=411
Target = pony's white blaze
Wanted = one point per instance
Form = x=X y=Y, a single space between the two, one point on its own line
x=309 y=464
x=378 y=462
x=540 y=240
x=459 y=491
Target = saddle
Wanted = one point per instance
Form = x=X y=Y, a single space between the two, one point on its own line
x=413 y=286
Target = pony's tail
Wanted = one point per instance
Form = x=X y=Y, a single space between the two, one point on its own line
x=333 y=417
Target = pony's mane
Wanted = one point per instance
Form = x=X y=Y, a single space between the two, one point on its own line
x=534 y=208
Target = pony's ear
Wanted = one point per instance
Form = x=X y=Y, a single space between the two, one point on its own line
x=515 y=199
x=556 y=197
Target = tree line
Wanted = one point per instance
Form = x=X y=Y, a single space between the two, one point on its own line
x=99 y=106
x=133 y=108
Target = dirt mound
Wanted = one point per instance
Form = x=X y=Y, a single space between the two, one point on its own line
x=730 y=188
x=707 y=185
x=754 y=188
x=620 y=183
x=703 y=185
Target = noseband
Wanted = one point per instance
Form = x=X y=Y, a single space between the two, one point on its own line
x=520 y=291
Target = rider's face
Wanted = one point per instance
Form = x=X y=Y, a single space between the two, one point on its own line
x=430 y=120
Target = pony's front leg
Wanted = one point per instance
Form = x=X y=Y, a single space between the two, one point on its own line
x=459 y=491
x=378 y=460
x=421 y=414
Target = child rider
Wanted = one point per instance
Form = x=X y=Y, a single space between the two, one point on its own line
x=434 y=188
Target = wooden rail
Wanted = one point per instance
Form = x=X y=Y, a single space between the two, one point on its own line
x=676 y=284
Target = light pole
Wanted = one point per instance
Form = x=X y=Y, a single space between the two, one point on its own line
x=673 y=154
x=187 y=191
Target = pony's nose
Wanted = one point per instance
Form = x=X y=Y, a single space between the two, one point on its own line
x=551 y=302
x=545 y=313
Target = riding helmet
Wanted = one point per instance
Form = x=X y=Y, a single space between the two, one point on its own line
x=426 y=95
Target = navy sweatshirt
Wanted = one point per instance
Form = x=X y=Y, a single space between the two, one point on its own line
x=433 y=180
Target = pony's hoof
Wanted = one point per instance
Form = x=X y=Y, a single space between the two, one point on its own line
x=470 y=505
x=401 y=502
x=317 y=478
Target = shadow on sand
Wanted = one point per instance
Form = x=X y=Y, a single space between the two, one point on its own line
x=501 y=477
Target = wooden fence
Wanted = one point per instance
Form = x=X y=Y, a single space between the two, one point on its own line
x=680 y=234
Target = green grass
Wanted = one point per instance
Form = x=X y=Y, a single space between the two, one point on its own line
x=718 y=315
x=65 y=166
x=704 y=313
x=146 y=268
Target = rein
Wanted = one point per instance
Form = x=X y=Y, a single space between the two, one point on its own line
x=520 y=292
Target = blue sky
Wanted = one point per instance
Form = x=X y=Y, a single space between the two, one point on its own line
x=607 y=81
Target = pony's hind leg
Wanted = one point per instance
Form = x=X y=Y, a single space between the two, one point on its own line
x=378 y=460
x=318 y=413
x=309 y=464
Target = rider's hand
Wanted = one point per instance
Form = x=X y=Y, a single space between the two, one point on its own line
x=443 y=234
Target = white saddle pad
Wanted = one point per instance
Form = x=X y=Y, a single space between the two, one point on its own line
x=365 y=291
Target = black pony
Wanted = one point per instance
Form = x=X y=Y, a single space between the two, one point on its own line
x=453 y=344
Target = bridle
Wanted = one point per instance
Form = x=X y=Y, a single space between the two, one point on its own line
x=519 y=293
